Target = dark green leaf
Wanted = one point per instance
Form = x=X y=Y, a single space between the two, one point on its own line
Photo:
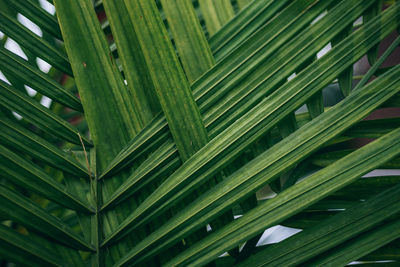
x=24 y=211
x=216 y=13
x=34 y=112
x=29 y=176
x=190 y=41
x=268 y=165
x=172 y=87
x=30 y=75
x=223 y=148
x=21 y=249
x=14 y=135
x=330 y=233
x=38 y=15
x=12 y=28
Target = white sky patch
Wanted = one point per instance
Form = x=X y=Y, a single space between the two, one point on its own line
x=30 y=25
x=12 y=46
x=276 y=234
x=30 y=91
x=47 y=6
x=382 y=172
x=16 y=115
x=291 y=76
x=319 y=17
x=45 y=101
x=301 y=109
x=266 y=195
x=358 y=21
x=373 y=262
x=324 y=50
x=43 y=65
x=3 y=78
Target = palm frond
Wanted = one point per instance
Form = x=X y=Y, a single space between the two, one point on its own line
x=177 y=132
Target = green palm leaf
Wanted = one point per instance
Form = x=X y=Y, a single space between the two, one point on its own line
x=191 y=119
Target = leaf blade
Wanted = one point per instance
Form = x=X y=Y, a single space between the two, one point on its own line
x=233 y=139
x=22 y=249
x=11 y=27
x=42 y=117
x=24 y=211
x=20 y=169
x=31 y=76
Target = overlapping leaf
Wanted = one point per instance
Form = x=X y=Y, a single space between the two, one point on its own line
x=242 y=98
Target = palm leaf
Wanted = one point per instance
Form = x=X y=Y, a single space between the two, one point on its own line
x=21 y=249
x=34 y=43
x=190 y=114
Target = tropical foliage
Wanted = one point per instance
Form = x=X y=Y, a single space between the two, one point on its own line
x=179 y=131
